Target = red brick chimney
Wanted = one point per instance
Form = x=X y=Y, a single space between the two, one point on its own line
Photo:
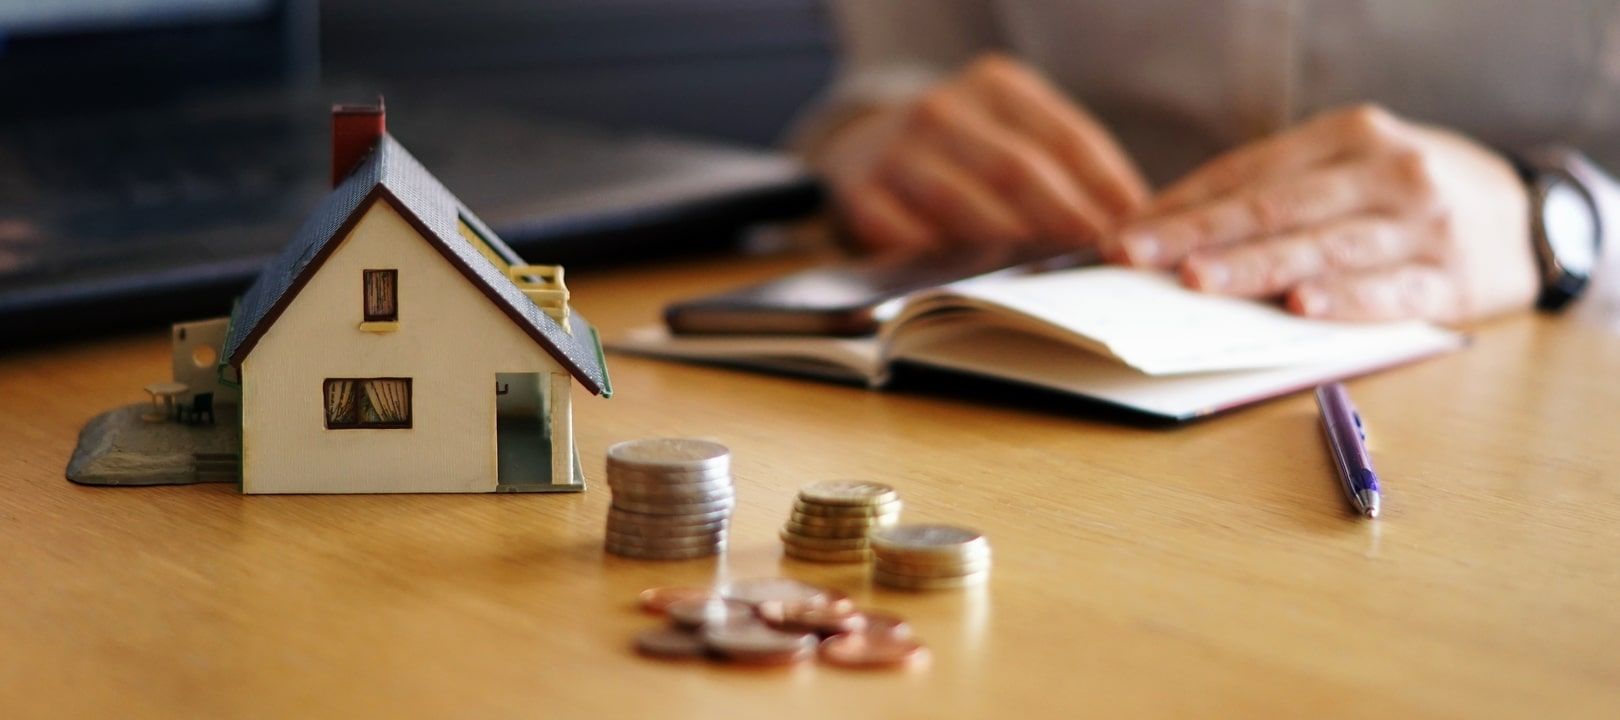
x=355 y=131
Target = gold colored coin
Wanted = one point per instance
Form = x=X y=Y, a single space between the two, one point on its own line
x=810 y=508
x=817 y=531
x=820 y=543
x=848 y=492
x=849 y=522
x=826 y=556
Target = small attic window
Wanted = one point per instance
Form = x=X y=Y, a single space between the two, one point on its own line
x=381 y=295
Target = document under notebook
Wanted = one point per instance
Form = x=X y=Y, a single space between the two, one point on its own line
x=1129 y=338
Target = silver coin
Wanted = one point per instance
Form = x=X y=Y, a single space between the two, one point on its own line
x=639 y=553
x=670 y=454
x=616 y=515
x=674 y=498
x=907 y=582
x=929 y=543
x=968 y=567
x=657 y=531
x=619 y=474
x=663 y=508
x=875 y=521
x=654 y=543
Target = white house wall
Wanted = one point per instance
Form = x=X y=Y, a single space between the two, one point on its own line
x=451 y=341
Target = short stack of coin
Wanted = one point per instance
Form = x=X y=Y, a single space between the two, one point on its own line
x=831 y=520
x=930 y=557
x=672 y=498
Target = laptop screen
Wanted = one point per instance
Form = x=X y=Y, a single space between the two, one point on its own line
x=72 y=16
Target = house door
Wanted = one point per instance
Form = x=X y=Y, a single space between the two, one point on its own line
x=522 y=433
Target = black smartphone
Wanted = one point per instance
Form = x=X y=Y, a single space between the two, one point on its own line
x=851 y=298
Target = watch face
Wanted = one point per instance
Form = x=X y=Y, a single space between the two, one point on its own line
x=1571 y=228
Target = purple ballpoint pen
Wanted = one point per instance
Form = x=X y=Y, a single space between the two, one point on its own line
x=1348 y=441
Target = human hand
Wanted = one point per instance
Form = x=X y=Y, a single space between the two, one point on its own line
x=994 y=154
x=1354 y=215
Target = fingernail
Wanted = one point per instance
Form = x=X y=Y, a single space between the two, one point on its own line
x=1208 y=276
x=1141 y=248
x=1310 y=303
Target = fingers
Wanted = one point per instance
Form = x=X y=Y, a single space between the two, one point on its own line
x=1023 y=101
x=881 y=222
x=1017 y=170
x=1384 y=184
x=1321 y=140
x=1407 y=292
x=1268 y=268
x=931 y=185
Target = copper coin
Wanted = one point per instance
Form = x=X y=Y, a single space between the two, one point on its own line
x=866 y=650
x=757 y=590
x=881 y=623
x=657 y=600
x=667 y=642
x=757 y=644
x=694 y=613
x=824 y=620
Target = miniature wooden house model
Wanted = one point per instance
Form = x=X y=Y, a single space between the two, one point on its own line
x=398 y=345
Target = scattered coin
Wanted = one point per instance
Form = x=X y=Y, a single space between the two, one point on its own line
x=881 y=623
x=672 y=499
x=657 y=600
x=868 y=650
x=758 y=644
x=668 y=642
x=755 y=591
x=773 y=621
x=694 y=613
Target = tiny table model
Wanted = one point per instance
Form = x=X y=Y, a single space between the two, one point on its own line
x=397 y=345
x=163 y=405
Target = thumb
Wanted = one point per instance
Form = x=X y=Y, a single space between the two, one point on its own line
x=1407 y=292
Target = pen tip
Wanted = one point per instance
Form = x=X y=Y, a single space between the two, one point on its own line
x=1371 y=513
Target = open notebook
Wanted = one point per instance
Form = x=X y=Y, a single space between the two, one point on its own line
x=1126 y=337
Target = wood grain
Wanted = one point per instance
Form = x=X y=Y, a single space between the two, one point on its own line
x=1210 y=570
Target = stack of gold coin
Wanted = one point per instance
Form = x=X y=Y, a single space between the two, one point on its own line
x=832 y=520
x=672 y=498
x=930 y=557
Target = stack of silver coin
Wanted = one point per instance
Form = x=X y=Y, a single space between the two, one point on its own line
x=831 y=520
x=930 y=557
x=672 y=498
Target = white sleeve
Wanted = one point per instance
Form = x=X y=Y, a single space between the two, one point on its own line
x=890 y=50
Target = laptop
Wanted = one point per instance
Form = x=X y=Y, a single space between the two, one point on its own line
x=155 y=153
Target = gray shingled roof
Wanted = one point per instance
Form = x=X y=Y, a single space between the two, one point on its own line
x=391 y=173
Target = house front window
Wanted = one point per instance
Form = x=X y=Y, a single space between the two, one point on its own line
x=381 y=295
x=367 y=403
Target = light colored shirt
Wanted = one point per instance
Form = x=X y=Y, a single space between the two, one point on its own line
x=1179 y=80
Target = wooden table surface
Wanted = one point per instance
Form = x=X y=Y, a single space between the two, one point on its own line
x=1208 y=570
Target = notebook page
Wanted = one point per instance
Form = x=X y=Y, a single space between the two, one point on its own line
x=1150 y=322
x=1038 y=361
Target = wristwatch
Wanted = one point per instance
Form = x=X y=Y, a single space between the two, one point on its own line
x=1568 y=194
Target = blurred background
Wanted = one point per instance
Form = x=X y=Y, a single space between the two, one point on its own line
x=154 y=154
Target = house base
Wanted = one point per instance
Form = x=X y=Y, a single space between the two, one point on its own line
x=117 y=447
